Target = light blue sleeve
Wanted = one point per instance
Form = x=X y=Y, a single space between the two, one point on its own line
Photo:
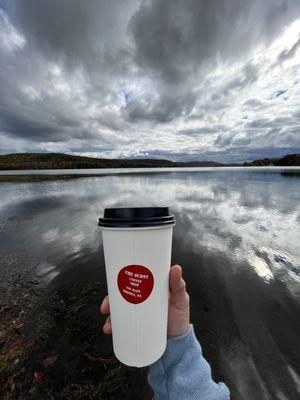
x=182 y=373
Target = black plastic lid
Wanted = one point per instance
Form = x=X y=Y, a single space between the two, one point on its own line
x=136 y=217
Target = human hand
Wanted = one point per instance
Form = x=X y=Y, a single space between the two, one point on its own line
x=179 y=305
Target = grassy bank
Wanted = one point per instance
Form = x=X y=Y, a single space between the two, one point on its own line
x=52 y=346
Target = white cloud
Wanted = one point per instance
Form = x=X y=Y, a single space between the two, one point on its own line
x=103 y=98
x=10 y=39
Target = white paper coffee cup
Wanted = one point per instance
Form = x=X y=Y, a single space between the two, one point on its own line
x=137 y=249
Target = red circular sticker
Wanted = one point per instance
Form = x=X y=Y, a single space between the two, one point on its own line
x=135 y=283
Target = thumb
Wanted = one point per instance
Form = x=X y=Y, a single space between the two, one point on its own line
x=175 y=276
x=178 y=294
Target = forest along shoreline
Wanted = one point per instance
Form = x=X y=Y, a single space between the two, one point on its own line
x=26 y=161
x=52 y=345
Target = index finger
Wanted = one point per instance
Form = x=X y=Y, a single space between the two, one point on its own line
x=104 y=309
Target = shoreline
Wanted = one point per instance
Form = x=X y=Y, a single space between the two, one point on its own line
x=19 y=176
x=51 y=345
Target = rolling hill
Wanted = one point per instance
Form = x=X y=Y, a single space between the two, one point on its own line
x=21 y=161
x=288 y=160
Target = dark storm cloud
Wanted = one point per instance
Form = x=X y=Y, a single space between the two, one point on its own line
x=248 y=75
x=224 y=139
x=279 y=122
x=296 y=115
x=18 y=126
x=39 y=129
x=165 y=109
x=199 y=131
x=44 y=119
x=80 y=32
x=253 y=103
x=259 y=123
x=175 y=39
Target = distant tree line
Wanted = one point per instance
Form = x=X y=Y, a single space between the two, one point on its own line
x=65 y=161
x=23 y=161
x=288 y=160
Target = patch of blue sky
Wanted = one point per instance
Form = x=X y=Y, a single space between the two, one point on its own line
x=279 y=93
x=126 y=95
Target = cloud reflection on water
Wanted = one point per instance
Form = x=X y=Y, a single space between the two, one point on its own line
x=247 y=219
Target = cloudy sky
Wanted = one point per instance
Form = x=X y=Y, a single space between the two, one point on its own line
x=176 y=79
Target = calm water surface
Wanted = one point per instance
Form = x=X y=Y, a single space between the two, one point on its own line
x=237 y=238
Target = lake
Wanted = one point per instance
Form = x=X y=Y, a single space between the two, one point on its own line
x=237 y=238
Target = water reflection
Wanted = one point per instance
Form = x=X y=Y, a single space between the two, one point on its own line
x=236 y=236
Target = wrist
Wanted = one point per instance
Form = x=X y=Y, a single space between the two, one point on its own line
x=179 y=332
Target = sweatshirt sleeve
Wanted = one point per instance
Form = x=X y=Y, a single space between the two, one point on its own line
x=183 y=373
